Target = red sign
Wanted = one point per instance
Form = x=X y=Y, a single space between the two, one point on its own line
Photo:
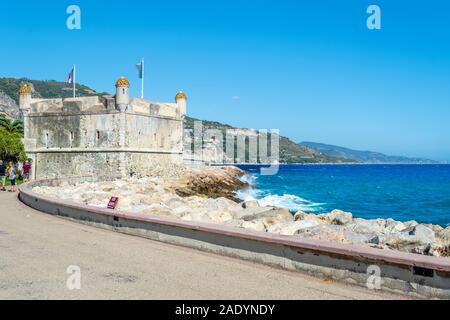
x=113 y=202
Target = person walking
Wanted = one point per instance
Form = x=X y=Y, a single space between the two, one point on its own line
x=2 y=175
x=26 y=171
x=12 y=174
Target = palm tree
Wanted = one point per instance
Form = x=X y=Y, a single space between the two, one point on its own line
x=11 y=125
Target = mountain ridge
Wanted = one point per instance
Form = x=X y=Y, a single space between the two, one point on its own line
x=364 y=156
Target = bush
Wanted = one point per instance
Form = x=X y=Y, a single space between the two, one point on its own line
x=11 y=146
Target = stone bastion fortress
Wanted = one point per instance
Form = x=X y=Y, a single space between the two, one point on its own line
x=89 y=136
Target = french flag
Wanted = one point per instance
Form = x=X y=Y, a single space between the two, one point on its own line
x=70 y=77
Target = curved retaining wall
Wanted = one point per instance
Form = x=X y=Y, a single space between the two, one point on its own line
x=413 y=274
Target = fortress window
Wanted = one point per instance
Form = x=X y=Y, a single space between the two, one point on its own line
x=72 y=137
x=98 y=135
x=46 y=139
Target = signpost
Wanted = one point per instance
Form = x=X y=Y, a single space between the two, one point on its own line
x=113 y=202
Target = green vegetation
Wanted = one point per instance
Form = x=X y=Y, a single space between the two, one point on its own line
x=11 y=125
x=18 y=181
x=45 y=89
x=11 y=146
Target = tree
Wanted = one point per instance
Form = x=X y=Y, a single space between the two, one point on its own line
x=11 y=125
x=11 y=146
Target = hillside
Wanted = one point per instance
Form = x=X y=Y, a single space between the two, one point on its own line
x=290 y=152
x=9 y=98
x=362 y=156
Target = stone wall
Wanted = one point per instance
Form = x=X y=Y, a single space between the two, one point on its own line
x=156 y=133
x=69 y=131
x=66 y=164
x=154 y=164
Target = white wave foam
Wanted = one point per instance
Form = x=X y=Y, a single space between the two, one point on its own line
x=249 y=178
x=247 y=194
x=289 y=201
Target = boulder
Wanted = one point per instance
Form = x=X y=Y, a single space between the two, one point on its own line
x=234 y=223
x=299 y=215
x=410 y=224
x=444 y=235
x=250 y=204
x=219 y=216
x=336 y=233
x=320 y=219
x=221 y=204
x=436 y=228
x=440 y=250
x=406 y=243
x=197 y=216
x=290 y=228
x=363 y=226
x=157 y=210
x=393 y=226
x=423 y=234
x=340 y=217
x=182 y=210
x=269 y=215
x=256 y=225
x=174 y=202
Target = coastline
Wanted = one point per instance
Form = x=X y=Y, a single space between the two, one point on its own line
x=200 y=198
x=401 y=192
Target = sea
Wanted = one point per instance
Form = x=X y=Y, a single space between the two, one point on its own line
x=401 y=192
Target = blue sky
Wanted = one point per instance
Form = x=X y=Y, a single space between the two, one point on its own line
x=309 y=68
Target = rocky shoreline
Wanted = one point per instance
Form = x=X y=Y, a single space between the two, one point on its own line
x=208 y=195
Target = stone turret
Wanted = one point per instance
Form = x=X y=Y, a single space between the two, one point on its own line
x=180 y=99
x=25 y=98
x=122 y=93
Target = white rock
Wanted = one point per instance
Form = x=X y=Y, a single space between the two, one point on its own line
x=290 y=228
x=256 y=225
x=340 y=217
x=250 y=204
x=423 y=234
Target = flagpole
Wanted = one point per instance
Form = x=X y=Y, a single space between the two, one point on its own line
x=74 y=79
x=143 y=71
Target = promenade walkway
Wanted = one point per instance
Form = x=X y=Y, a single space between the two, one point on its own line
x=36 y=249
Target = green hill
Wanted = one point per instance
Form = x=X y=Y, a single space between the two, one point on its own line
x=290 y=152
x=363 y=156
x=44 y=88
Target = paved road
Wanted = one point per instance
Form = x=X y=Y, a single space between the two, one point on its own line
x=36 y=250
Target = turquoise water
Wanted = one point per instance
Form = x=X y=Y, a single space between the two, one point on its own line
x=401 y=192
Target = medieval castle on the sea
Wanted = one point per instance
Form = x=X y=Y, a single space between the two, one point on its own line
x=91 y=136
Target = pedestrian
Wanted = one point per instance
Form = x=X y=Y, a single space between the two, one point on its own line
x=12 y=174
x=2 y=175
x=26 y=171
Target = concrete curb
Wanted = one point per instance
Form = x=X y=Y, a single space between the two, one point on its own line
x=413 y=274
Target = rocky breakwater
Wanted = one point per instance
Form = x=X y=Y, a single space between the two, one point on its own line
x=339 y=226
x=212 y=182
x=207 y=195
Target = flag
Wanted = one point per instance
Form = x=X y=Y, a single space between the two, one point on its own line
x=70 y=77
x=140 y=68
